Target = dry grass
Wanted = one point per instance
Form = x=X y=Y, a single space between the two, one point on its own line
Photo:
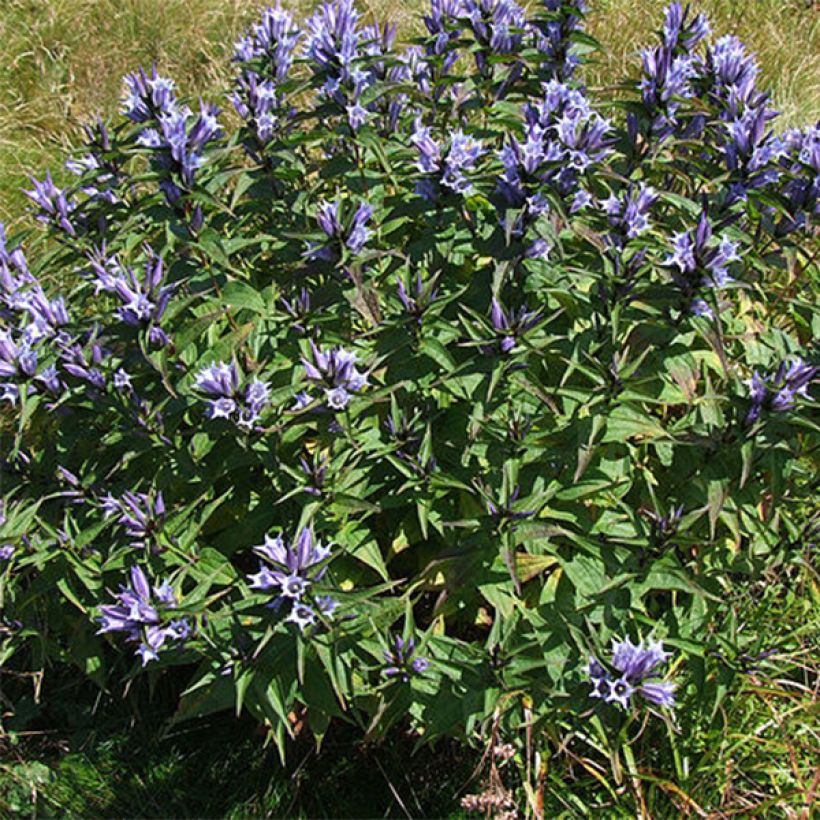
x=63 y=60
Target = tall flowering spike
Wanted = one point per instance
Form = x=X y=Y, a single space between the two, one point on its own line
x=636 y=665
x=670 y=72
x=332 y=38
x=101 y=177
x=273 y=39
x=265 y=55
x=402 y=660
x=175 y=137
x=552 y=34
x=289 y=573
x=138 y=614
x=497 y=26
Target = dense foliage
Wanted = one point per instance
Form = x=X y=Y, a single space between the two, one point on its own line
x=418 y=380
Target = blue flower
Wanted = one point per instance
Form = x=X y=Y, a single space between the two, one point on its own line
x=223 y=383
x=637 y=665
x=778 y=392
x=137 y=613
x=336 y=372
x=295 y=569
x=402 y=660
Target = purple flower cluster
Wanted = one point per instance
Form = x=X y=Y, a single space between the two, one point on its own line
x=498 y=27
x=444 y=165
x=265 y=56
x=628 y=214
x=333 y=46
x=699 y=261
x=563 y=137
x=512 y=325
x=402 y=660
x=799 y=159
x=228 y=398
x=296 y=567
x=636 y=664
x=352 y=233
x=444 y=33
x=57 y=207
x=336 y=373
x=740 y=130
x=778 y=392
x=139 y=614
x=35 y=347
x=141 y=514
x=31 y=319
x=100 y=177
x=176 y=137
x=144 y=300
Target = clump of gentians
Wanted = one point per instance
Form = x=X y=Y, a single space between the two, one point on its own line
x=670 y=73
x=174 y=135
x=141 y=514
x=296 y=568
x=231 y=397
x=402 y=660
x=351 y=233
x=778 y=391
x=140 y=613
x=57 y=206
x=144 y=299
x=335 y=373
x=636 y=668
x=444 y=165
x=563 y=138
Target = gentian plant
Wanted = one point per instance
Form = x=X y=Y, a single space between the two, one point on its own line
x=427 y=346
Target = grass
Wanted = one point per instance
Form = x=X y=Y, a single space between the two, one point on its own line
x=64 y=59
x=81 y=754
x=114 y=756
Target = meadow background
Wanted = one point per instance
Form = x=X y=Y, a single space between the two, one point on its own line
x=63 y=61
